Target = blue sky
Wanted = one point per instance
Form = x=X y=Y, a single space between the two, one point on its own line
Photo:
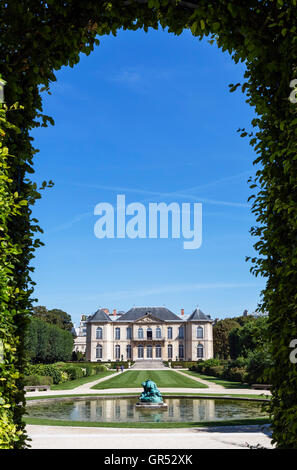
x=148 y=115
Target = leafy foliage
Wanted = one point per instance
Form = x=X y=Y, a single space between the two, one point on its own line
x=249 y=337
x=40 y=37
x=221 y=330
x=47 y=343
x=55 y=317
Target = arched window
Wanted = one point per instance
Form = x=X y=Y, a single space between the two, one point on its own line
x=99 y=333
x=128 y=349
x=200 y=352
x=149 y=333
x=181 y=351
x=149 y=352
x=169 y=351
x=98 y=351
x=117 y=333
x=158 y=351
x=117 y=352
x=158 y=332
x=129 y=332
x=199 y=333
x=169 y=332
x=140 y=333
x=181 y=332
x=140 y=351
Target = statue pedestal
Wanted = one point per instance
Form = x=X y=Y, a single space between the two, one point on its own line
x=152 y=406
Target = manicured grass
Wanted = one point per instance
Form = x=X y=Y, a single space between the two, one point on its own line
x=216 y=380
x=106 y=395
x=83 y=380
x=163 y=378
x=233 y=422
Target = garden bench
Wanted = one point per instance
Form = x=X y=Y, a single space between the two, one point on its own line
x=261 y=386
x=177 y=367
x=34 y=388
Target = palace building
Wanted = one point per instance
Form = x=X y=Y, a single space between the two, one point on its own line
x=148 y=333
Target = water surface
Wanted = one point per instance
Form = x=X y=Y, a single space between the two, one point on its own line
x=123 y=410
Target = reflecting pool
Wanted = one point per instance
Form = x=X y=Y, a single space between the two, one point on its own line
x=123 y=410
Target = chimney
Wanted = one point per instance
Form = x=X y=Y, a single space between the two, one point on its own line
x=114 y=312
x=105 y=310
x=182 y=311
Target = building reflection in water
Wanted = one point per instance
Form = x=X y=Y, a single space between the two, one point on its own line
x=121 y=410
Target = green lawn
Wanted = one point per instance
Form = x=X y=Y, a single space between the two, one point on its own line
x=84 y=380
x=162 y=378
x=216 y=380
x=167 y=394
x=231 y=422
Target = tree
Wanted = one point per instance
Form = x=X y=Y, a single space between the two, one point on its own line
x=46 y=343
x=221 y=332
x=54 y=317
x=248 y=337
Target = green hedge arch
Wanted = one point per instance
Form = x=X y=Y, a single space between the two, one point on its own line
x=39 y=37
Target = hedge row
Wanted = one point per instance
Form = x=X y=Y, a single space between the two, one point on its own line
x=38 y=380
x=184 y=364
x=254 y=369
x=61 y=372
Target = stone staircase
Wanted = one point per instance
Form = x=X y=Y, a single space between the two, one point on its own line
x=148 y=364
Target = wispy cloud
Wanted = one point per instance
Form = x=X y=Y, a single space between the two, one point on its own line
x=183 y=194
x=154 y=194
x=140 y=78
x=127 y=76
x=172 y=288
x=70 y=223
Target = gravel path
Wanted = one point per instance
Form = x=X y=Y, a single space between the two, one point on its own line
x=237 y=437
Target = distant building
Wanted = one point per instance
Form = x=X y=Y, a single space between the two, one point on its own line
x=81 y=335
x=148 y=333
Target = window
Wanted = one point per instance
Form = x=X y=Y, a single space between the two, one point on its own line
x=117 y=411
x=199 y=332
x=117 y=333
x=181 y=332
x=149 y=352
x=200 y=351
x=129 y=355
x=181 y=351
x=117 y=352
x=129 y=332
x=158 y=351
x=140 y=351
x=149 y=333
x=158 y=332
x=169 y=332
x=169 y=351
x=98 y=351
x=99 y=333
x=140 y=333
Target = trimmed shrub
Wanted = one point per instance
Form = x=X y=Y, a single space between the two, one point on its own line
x=100 y=369
x=238 y=374
x=74 y=372
x=45 y=370
x=90 y=370
x=38 y=380
x=216 y=371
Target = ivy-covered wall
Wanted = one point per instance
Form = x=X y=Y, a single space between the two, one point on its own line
x=39 y=37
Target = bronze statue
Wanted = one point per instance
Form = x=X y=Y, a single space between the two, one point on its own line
x=150 y=393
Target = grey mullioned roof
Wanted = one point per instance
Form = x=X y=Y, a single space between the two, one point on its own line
x=198 y=315
x=100 y=315
x=162 y=313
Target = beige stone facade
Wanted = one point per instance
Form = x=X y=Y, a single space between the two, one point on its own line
x=149 y=333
